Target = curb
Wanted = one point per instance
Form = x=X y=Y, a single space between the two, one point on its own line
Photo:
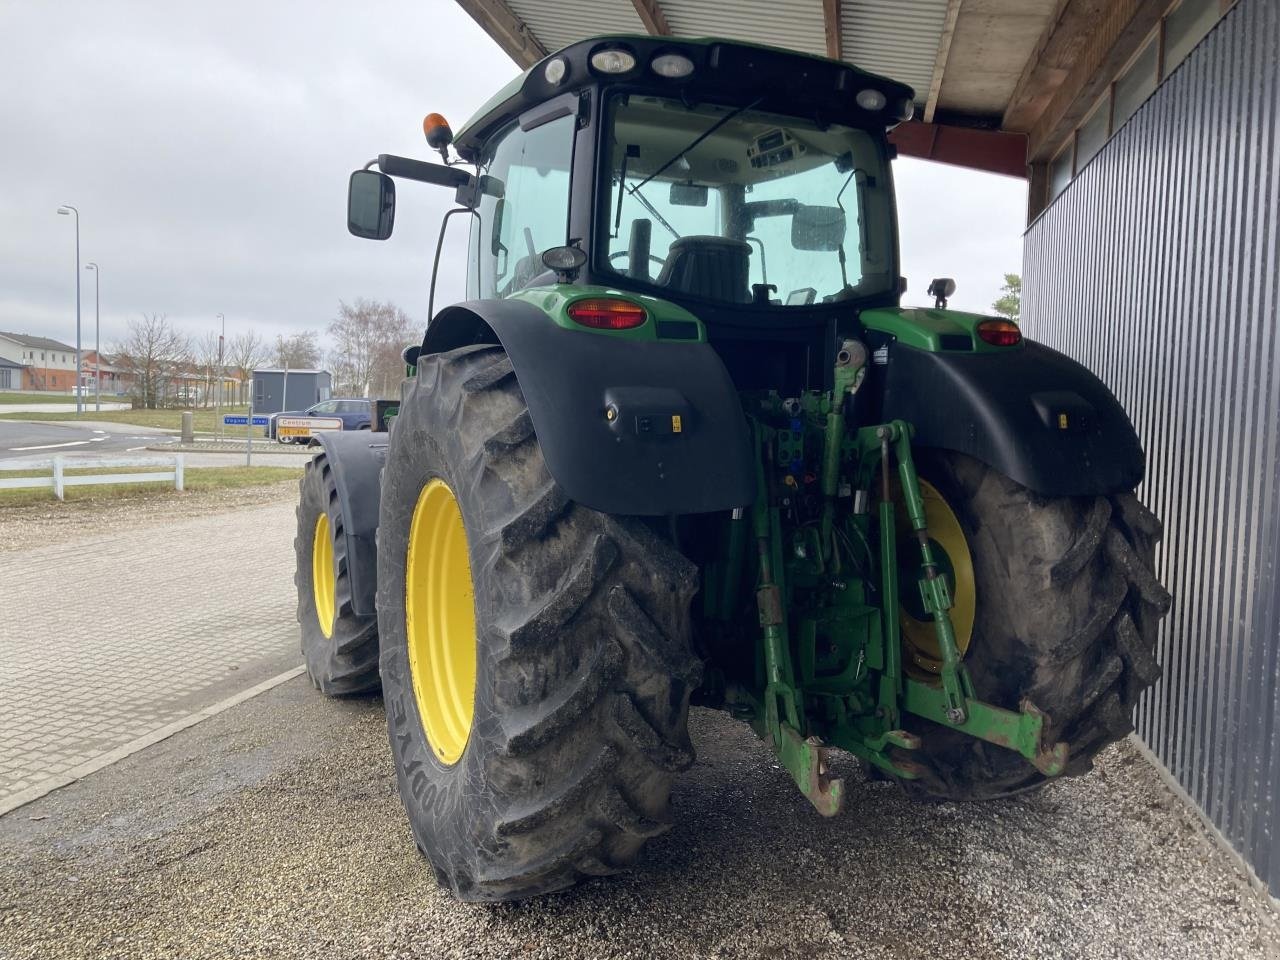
x=261 y=447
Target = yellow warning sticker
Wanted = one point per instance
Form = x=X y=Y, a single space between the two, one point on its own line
x=676 y=425
x=1062 y=421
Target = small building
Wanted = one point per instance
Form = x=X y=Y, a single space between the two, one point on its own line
x=46 y=364
x=10 y=375
x=275 y=390
x=115 y=380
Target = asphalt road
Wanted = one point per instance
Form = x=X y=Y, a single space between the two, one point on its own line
x=273 y=830
x=39 y=440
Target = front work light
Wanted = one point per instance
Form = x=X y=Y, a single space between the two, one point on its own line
x=671 y=65
x=607 y=313
x=613 y=60
x=1000 y=333
x=555 y=70
x=872 y=100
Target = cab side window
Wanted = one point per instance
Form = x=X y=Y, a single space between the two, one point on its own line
x=531 y=214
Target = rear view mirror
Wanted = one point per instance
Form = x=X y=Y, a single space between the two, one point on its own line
x=817 y=228
x=371 y=205
x=688 y=195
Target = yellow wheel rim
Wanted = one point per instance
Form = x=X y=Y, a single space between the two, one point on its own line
x=323 y=577
x=951 y=549
x=440 y=621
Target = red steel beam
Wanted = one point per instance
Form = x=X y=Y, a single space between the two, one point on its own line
x=994 y=151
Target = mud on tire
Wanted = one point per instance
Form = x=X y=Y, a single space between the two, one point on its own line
x=584 y=667
x=346 y=661
x=1067 y=608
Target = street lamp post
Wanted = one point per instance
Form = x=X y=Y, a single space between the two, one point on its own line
x=65 y=210
x=97 y=334
x=222 y=337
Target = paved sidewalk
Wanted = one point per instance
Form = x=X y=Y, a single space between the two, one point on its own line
x=107 y=639
x=61 y=407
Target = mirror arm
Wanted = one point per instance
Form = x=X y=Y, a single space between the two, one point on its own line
x=468 y=187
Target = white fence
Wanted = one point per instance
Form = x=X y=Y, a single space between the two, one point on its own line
x=58 y=480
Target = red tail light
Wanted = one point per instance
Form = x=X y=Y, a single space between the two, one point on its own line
x=606 y=313
x=1000 y=333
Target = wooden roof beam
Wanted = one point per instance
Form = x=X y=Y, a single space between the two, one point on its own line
x=940 y=62
x=510 y=32
x=651 y=15
x=1113 y=40
x=1060 y=45
x=831 y=20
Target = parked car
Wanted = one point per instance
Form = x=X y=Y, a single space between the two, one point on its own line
x=355 y=413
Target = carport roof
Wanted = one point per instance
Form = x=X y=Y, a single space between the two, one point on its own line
x=964 y=58
x=998 y=83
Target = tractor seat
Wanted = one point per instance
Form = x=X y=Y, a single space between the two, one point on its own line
x=713 y=267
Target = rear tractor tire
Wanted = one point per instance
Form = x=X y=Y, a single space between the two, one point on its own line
x=340 y=648
x=536 y=655
x=1063 y=612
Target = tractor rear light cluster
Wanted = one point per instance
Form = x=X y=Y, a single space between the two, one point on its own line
x=1000 y=333
x=607 y=313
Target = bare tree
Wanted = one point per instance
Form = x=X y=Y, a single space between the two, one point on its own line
x=368 y=337
x=206 y=350
x=245 y=352
x=299 y=351
x=153 y=356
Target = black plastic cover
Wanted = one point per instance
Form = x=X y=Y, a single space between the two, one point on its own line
x=356 y=459
x=678 y=441
x=1032 y=413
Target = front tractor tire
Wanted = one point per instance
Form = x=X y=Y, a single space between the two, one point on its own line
x=536 y=657
x=339 y=647
x=1063 y=609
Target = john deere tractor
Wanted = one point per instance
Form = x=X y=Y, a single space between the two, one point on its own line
x=682 y=444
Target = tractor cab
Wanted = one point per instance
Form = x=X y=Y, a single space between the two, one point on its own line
x=749 y=186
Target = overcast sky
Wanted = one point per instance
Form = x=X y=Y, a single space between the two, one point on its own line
x=208 y=147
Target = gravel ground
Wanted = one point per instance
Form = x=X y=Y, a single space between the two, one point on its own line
x=274 y=830
x=54 y=522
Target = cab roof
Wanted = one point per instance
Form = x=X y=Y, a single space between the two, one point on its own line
x=772 y=78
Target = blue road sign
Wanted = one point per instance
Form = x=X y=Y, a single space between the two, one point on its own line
x=241 y=420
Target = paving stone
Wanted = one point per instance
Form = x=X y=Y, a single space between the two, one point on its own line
x=109 y=637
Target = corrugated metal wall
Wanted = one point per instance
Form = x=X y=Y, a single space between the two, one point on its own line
x=1159 y=268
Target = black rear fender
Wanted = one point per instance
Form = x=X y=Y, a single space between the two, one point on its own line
x=356 y=458
x=676 y=440
x=1034 y=414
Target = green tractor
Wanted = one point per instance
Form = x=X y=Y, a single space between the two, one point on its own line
x=682 y=444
